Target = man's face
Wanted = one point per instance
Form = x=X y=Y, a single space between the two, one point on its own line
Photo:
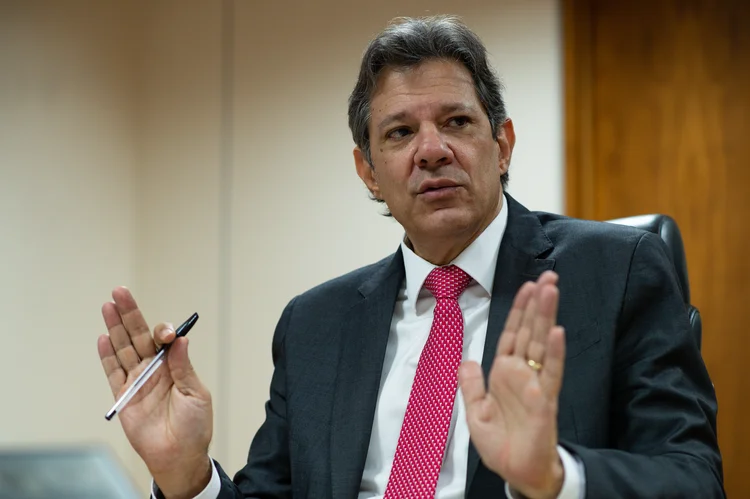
x=435 y=161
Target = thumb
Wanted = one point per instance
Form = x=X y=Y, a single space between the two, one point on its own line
x=471 y=381
x=184 y=376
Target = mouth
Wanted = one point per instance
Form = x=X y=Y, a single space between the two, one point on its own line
x=437 y=185
x=435 y=193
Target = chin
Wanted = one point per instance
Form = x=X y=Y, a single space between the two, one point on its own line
x=447 y=222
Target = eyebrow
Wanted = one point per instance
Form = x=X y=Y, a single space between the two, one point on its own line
x=445 y=109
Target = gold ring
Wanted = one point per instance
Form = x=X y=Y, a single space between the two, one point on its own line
x=536 y=366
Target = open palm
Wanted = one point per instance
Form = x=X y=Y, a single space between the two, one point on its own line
x=169 y=422
x=513 y=422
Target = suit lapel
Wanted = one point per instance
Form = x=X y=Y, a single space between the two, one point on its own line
x=364 y=336
x=518 y=260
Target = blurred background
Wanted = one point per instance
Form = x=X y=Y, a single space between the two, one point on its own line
x=198 y=152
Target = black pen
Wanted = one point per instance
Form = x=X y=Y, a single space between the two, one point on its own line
x=150 y=369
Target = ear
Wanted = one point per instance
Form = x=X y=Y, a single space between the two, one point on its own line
x=366 y=172
x=506 y=139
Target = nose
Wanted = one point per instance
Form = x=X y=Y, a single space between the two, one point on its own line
x=432 y=150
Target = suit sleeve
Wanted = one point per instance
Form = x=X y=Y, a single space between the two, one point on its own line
x=267 y=474
x=663 y=408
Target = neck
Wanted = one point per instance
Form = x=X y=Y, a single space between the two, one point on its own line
x=441 y=250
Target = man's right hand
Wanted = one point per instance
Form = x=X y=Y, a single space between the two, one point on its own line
x=169 y=422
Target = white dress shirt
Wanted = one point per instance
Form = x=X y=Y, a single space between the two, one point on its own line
x=410 y=327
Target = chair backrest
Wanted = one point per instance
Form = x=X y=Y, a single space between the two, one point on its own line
x=667 y=229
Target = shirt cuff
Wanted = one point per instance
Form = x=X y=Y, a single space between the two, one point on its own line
x=210 y=492
x=574 y=482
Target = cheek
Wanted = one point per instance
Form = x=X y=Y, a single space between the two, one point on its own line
x=393 y=174
x=483 y=168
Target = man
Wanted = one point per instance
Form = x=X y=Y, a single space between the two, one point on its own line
x=364 y=400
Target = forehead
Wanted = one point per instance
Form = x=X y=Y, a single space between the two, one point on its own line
x=435 y=82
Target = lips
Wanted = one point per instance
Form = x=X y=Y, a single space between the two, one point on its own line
x=436 y=185
x=438 y=191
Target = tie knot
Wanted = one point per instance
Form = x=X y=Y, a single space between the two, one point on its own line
x=447 y=282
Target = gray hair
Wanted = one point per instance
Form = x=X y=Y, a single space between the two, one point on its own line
x=408 y=42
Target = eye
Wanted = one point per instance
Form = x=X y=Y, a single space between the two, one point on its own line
x=398 y=133
x=459 y=121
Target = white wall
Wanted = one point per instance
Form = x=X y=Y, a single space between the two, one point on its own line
x=199 y=152
x=67 y=228
x=177 y=197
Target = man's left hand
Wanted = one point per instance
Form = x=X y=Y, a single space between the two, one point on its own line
x=513 y=422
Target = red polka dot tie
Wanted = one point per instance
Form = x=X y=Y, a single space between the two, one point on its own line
x=424 y=434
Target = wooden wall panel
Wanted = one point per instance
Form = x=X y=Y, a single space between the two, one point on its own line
x=657 y=105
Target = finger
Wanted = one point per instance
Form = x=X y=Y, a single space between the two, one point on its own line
x=183 y=374
x=506 y=343
x=118 y=336
x=471 y=381
x=163 y=334
x=509 y=336
x=523 y=338
x=551 y=375
x=526 y=329
x=548 y=277
x=520 y=302
x=546 y=317
x=116 y=375
x=135 y=324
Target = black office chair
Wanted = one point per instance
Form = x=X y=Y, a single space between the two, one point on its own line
x=667 y=229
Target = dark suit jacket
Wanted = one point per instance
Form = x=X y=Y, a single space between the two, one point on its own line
x=637 y=406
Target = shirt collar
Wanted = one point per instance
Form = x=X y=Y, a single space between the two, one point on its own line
x=478 y=260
